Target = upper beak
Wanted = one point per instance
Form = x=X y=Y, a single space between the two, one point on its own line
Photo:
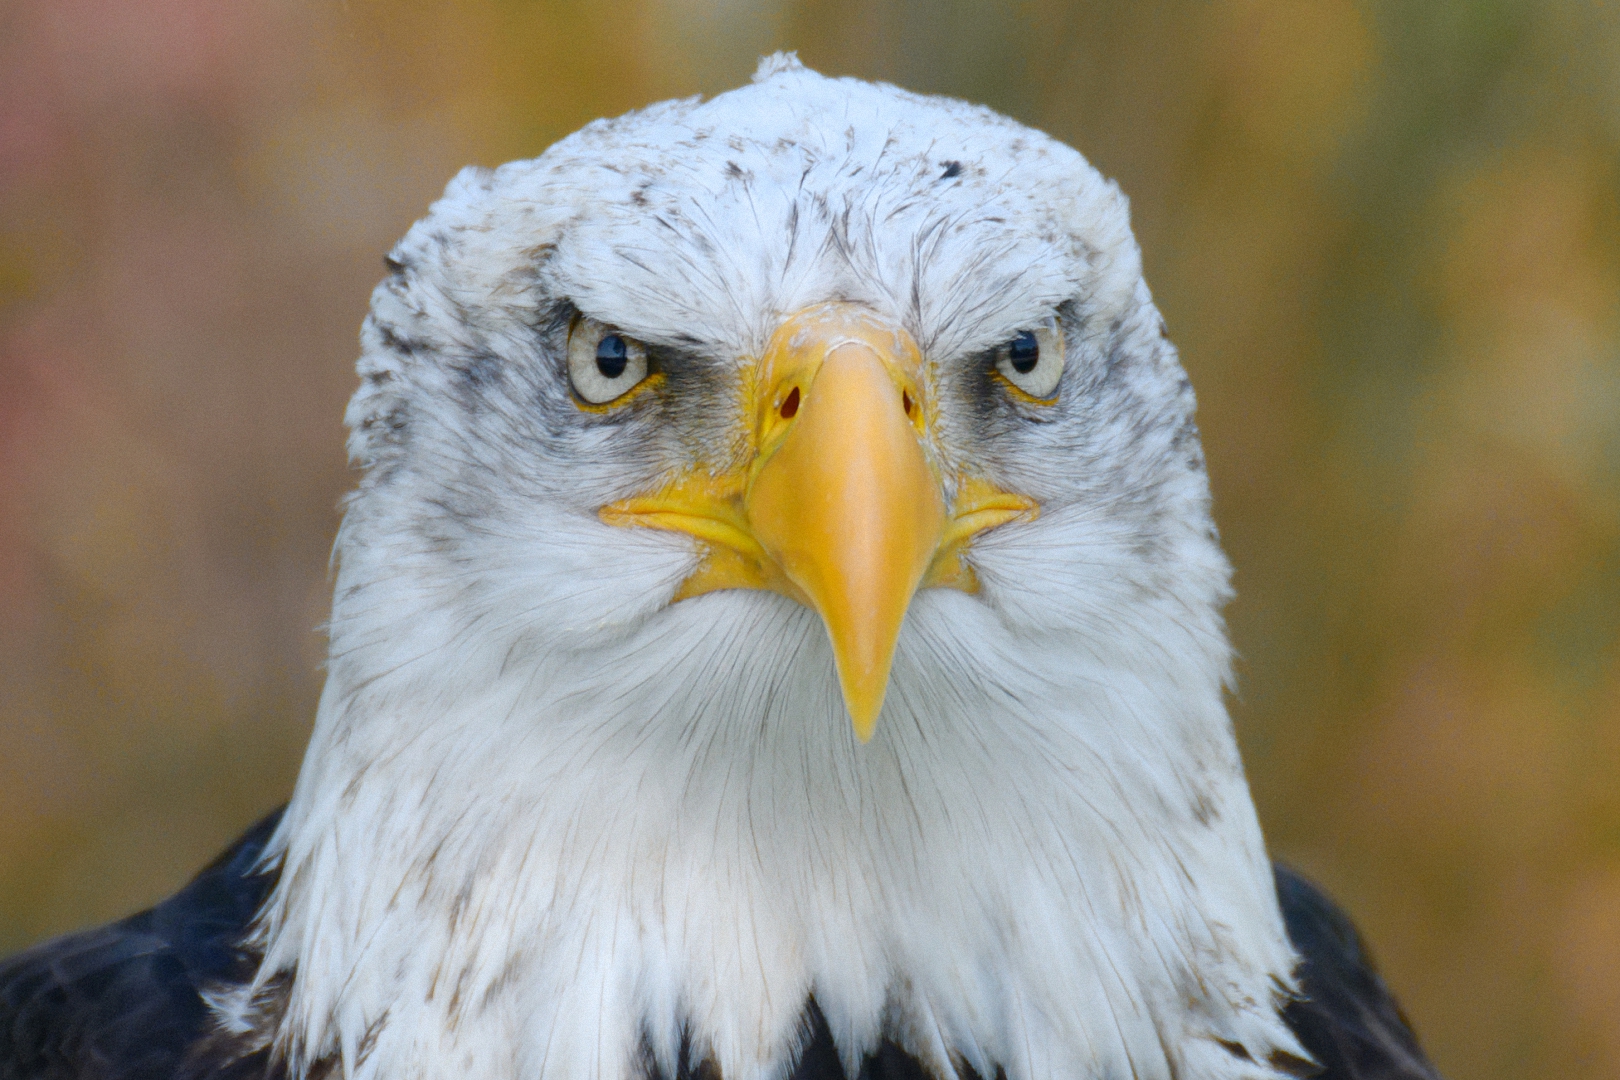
x=841 y=506
x=842 y=496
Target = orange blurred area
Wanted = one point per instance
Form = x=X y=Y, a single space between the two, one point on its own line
x=1386 y=237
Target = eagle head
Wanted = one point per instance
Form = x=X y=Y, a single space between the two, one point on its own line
x=782 y=576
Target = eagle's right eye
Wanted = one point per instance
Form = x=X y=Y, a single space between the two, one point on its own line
x=1032 y=362
x=603 y=363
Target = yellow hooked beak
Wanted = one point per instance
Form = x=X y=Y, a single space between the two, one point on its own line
x=840 y=505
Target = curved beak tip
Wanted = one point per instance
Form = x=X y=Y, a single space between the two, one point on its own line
x=863 y=699
x=865 y=724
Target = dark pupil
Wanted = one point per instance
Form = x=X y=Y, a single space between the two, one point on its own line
x=612 y=354
x=1024 y=352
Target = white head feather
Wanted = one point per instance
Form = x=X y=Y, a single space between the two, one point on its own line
x=550 y=823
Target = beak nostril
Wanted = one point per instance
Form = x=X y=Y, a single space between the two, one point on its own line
x=906 y=402
x=790 y=405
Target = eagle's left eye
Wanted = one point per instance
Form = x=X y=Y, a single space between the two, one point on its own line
x=1033 y=361
x=604 y=364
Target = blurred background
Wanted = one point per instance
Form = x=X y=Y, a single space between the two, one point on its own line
x=1386 y=237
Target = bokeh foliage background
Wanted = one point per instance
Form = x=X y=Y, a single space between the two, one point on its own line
x=1386 y=237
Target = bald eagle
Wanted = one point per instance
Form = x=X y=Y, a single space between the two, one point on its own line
x=777 y=634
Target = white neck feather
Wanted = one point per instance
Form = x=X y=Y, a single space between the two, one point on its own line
x=510 y=863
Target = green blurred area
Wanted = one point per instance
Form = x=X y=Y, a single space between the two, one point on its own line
x=1386 y=238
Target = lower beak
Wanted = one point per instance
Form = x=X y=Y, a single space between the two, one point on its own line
x=840 y=507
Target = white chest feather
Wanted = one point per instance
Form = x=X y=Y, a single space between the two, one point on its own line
x=1044 y=863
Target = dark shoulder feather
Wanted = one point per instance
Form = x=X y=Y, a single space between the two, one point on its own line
x=122 y=1002
x=1346 y=1016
